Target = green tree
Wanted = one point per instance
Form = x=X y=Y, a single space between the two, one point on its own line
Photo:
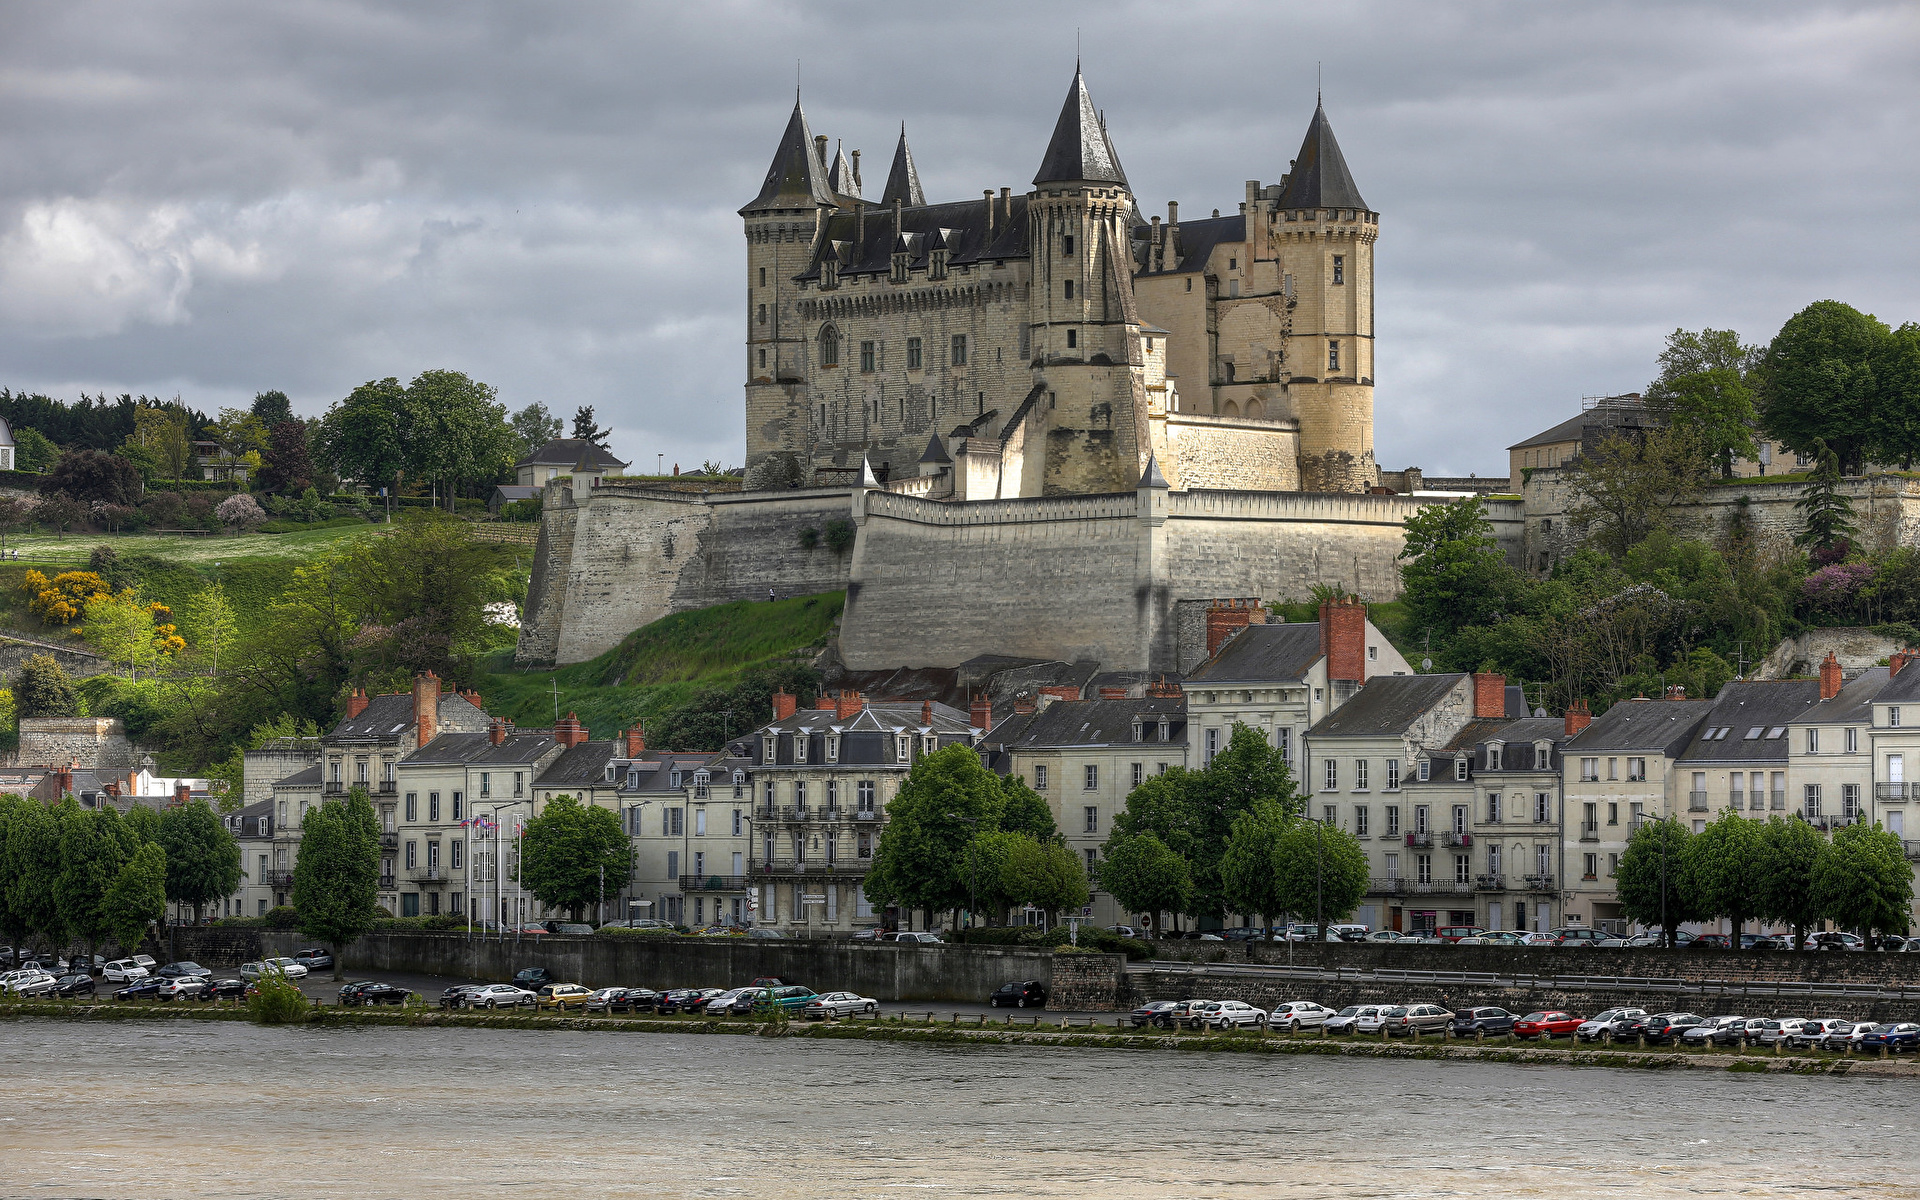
x=1817 y=384
x=1626 y=488
x=143 y=824
x=1163 y=806
x=1321 y=871
x=1725 y=870
x=1895 y=437
x=1023 y=810
x=946 y=799
x=211 y=623
x=420 y=595
x=1863 y=882
x=1248 y=770
x=272 y=408
x=1248 y=880
x=1454 y=572
x=29 y=868
x=33 y=450
x=458 y=432
x=1789 y=862
x=1718 y=406
x=1829 y=513
x=122 y=627
x=42 y=689
x=137 y=898
x=574 y=854
x=336 y=878
x=1145 y=876
x=533 y=427
x=94 y=846
x=160 y=434
x=1044 y=875
x=365 y=436
x=1651 y=881
x=203 y=856
x=586 y=430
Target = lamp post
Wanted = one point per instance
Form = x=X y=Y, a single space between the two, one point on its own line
x=973 y=866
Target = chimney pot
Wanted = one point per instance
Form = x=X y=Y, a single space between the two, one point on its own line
x=1226 y=618
x=1112 y=693
x=849 y=704
x=356 y=703
x=1024 y=705
x=980 y=712
x=1578 y=717
x=926 y=712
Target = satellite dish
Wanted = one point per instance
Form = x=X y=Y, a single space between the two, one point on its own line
x=1426 y=664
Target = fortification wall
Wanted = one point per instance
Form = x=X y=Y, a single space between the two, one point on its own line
x=93 y=743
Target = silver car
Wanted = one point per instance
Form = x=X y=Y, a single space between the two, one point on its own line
x=1348 y=1019
x=498 y=995
x=27 y=983
x=839 y=1004
x=1419 y=1018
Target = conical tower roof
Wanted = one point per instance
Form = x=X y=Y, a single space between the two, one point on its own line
x=797 y=178
x=903 y=181
x=840 y=178
x=1319 y=178
x=1079 y=149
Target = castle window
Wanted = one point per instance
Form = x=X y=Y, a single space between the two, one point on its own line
x=1233 y=264
x=1333 y=355
x=1339 y=268
x=959 y=349
x=1069 y=289
x=913 y=354
x=763 y=360
x=1189 y=285
x=829 y=347
x=1073 y=337
x=1066 y=247
x=866 y=358
x=763 y=277
x=763 y=314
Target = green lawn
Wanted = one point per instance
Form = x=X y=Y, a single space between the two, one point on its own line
x=196 y=550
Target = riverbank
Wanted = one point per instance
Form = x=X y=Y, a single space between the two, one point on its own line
x=926 y=1028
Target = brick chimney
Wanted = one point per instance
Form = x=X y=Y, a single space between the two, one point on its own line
x=356 y=703
x=568 y=731
x=926 y=712
x=62 y=782
x=1578 y=717
x=636 y=741
x=182 y=794
x=823 y=703
x=1056 y=691
x=1343 y=639
x=1489 y=695
x=848 y=704
x=497 y=730
x=980 y=712
x=426 y=706
x=1228 y=617
x=1900 y=659
x=784 y=705
x=1677 y=691
x=1023 y=704
x=1113 y=693
x=1829 y=677
x=113 y=787
x=1160 y=689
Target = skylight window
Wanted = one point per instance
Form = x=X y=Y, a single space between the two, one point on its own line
x=1778 y=731
x=1753 y=733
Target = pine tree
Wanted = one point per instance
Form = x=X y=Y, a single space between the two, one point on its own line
x=1829 y=513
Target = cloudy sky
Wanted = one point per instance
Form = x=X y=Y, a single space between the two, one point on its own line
x=214 y=199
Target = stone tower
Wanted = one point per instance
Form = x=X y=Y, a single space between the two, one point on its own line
x=782 y=226
x=1322 y=234
x=1085 y=330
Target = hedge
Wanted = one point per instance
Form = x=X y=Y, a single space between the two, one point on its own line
x=288 y=525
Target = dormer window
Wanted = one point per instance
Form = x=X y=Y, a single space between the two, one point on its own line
x=610 y=771
x=902 y=263
x=829 y=274
x=1460 y=769
x=929 y=743
x=1542 y=756
x=674 y=780
x=800 y=741
x=1493 y=756
x=1426 y=770
x=770 y=747
x=903 y=748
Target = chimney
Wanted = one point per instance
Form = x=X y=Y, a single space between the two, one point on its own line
x=1023 y=704
x=1113 y=693
x=426 y=707
x=850 y=704
x=1228 y=617
x=988 y=194
x=980 y=712
x=1160 y=689
x=855 y=155
x=113 y=787
x=1343 y=638
x=820 y=149
x=182 y=794
x=1578 y=717
x=1677 y=692
x=1489 y=695
x=1053 y=692
x=784 y=705
x=568 y=731
x=823 y=702
x=1829 y=677
x=62 y=783
x=356 y=703
x=1900 y=659
x=1006 y=206
x=637 y=737
x=1173 y=213
x=926 y=712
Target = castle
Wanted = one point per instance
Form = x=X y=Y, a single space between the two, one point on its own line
x=1057 y=430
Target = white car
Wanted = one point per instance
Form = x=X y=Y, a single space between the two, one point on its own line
x=123 y=970
x=255 y=970
x=1349 y=1018
x=1384 y=935
x=1703 y=1033
x=291 y=968
x=27 y=982
x=1231 y=1014
x=1613 y=1018
x=839 y=1004
x=1373 y=1018
x=929 y=938
x=146 y=960
x=1301 y=1014
x=500 y=995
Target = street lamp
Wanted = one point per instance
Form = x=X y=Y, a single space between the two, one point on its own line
x=973 y=866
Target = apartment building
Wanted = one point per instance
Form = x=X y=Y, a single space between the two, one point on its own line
x=1830 y=753
x=252 y=827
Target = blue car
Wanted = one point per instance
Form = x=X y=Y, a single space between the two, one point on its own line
x=1895 y=1038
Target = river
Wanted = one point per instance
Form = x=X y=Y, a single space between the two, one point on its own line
x=164 y=1109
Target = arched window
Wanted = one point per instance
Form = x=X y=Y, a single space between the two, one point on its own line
x=829 y=347
x=1254 y=410
x=1231 y=410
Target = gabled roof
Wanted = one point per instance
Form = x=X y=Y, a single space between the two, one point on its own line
x=1655 y=726
x=1746 y=706
x=797 y=178
x=1319 y=177
x=1386 y=705
x=1854 y=704
x=903 y=181
x=1901 y=688
x=310 y=777
x=1196 y=242
x=1262 y=654
x=840 y=178
x=936 y=451
x=964 y=222
x=570 y=453
x=584 y=765
x=1079 y=149
x=1083 y=723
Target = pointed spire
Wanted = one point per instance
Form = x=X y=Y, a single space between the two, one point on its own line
x=867 y=478
x=1151 y=477
x=1320 y=178
x=797 y=179
x=1079 y=149
x=936 y=451
x=903 y=182
x=840 y=178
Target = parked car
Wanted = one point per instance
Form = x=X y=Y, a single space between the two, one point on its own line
x=765 y=935
x=1813 y=1033
x=291 y=968
x=1021 y=993
x=839 y=1004
x=73 y=985
x=315 y=959
x=175 y=969
x=1302 y=932
x=180 y=987
x=1126 y=931
x=1550 y=1023
x=1156 y=1013
x=1232 y=1014
x=1348 y=1018
x=455 y=996
x=1350 y=933
x=532 y=979
x=1503 y=937
x=498 y=995
x=11 y=981
x=145 y=960
x=1705 y=1032
x=1775 y=1029
x=1469 y=1022
x=1661 y=1028
x=609 y=1000
x=571 y=927
x=1615 y=1021
x=1374 y=1018
x=42 y=983
x=1711 y=941
x=123 y=970
x=146 y=988
x=1894 y=1039
x=1578 y=935
x=1453 y=933
x=707 y=996
x=1842 y=1034
x=1419 y=1018
x=923 y=936
x=223 y=989
x=1836 y=941
x=370 y=992
x=1384 y=935
x=675 y=1000
x=1301 y=1014
x=562 y=996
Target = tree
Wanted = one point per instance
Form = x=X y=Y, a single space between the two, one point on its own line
x=240 y=511
x=1145 y=876
x=65 y=596
x=1319 y=869
x=286 y=468
x=1248 y=770
x=1625 y=489
x=29 y=865
x=32 y=450
x=945 y=800
x=203 y=856
x=1043 y=875
x=1023 y=810
x=211 y=623
x=123 y=629
x=421 y=592
x=574 y=854
x=42 y=689
x=273 y=409
x=89 y=475
x=1895 y=436
x=1725 y=870
x=94 y=846
x=1816 y=381
x=1789 y=862
x=239 y=432
x=1248 y=881
x=161 y=434
x=533 y=427
x=1863 y=882
x=336 y=878
x=585 y=430
x=457 y=433
x=364 y=437
x=137 y=898
x=1455 y=573
x=1717 y=406
x=1829 y=513
x=1651 y=880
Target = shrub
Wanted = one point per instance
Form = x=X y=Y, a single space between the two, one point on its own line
x=241 y=511
x=521 y=510
x=840 y=535
x=277 y=1001
x=809 y=538
x=622 y=931
x=1834 y=589
x=283 y=917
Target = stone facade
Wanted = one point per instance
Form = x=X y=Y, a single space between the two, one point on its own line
x=91 y=743
x=275 y=761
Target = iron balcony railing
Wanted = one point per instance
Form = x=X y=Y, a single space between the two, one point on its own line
x=1890 y=791
x=1912 y=849
x=1419 y=839
x=819 y=867
x=388 y=787
x=1394 y=885
x=427 y=874
x=389 y=841
x=386 y=883
x=1696 y=802
x=1451 y=838
x=1490 y=883
x=713 y=883
x=1777 y=799
x=1540 y=883
x=279 y=879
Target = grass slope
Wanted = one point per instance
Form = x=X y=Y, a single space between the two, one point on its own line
x=664 y=663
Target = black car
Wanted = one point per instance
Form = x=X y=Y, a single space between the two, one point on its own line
x=534 y=978
x=314 y=959
x=1661 y=1028
x=1024 y=993
x=675 y=1000
x=456 y=996
x=1468 y=1022
x=368 y=991
x=175 y=970
x=224 y=989
x=141 y=989
x=1157 y=1013
x=73 y=985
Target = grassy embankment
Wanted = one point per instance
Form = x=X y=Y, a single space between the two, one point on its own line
x=665 y=663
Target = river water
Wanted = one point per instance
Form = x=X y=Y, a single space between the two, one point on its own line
x=161 y=1109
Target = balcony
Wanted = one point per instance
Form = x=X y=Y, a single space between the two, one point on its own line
x=713 y=883
x=1490 y=883
x=1696 y=802
x=1540 y=883
x=1890 y=791
x=1393 y=887
x=386 y=883
x=389 y=841
x=1738 y=800
x=1419 y=839
x=388 y=787
x=278 y=879
x=866 y=814
x=852 y=868
x=427 y=874
x=1589 y=831
x=1457 y=838
x=1912 y=849
x=335 y=788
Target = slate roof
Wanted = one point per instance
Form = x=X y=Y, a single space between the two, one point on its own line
x=1386 y=705
x=519 y=746
x=878 y=716
x=1196 y=242
x=961 y=225
x=584 y=765
x=1262 y=654
x=570 y=453
x=840 y=177
x=1615 y=411
x=796 y=178
x=1854 y=704
x=1319 y=177
x=1655 y=726
x=1076 y=723
x=387 y=717
x=1900 y=689
x=1746 y=706
x=903 y=181
x=1079 y=148
x=309 y=777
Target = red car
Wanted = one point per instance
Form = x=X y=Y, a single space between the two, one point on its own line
x=1549 y=1025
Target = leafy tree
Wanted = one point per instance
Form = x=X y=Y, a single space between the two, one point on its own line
x=1023 y=810
x=272 y=409
x=161 y=435
x=123 y=629
x=1725 y=870
x=458 y=433
x=90 y=475
x=586 y=430
x=1704 y=385
x=203 y=856
x=1046 y=875
x=32 y=450
x=421 y=593
x=1248 y=880
x=137 y=897
x=42 y=689
x=946 y=799
x=714 y=714
x=1651 y=881
x=1817 y=384
x=66 y=596
x=533 y=427
x=1895 y=435
x=1320 y=870
x=1627 y=487
x=1145 y=876
x=211 y=623
x=365 y=436
x=94 y=845
x=1248 y=770
x=1789 y=862
x=1455 y=573
x=285 y=468
x=143 y=824
x=1162 y=806
x=336 y=878
x=29 y=864
x=1863 y=882
x=1828 y=511
x=574 y=854
x=240 y=511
